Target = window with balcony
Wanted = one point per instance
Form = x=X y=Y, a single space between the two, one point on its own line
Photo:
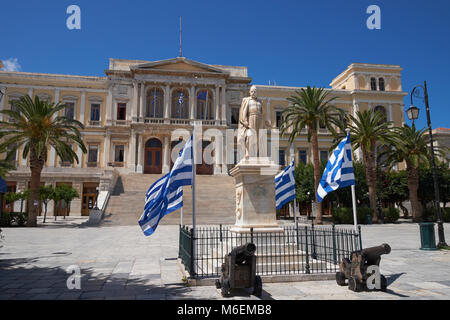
x=235 y=116
x=119 y=151
x=323 y=155
x=92 y=155
x=69 y=110
x=302 y=156
x=180 y=104
x=95 y=114
x=278 y=118
x=373 y=84
x=282 y=157
x=121 y=111
x=155 y=103
x=381 y=84
x=205 y=109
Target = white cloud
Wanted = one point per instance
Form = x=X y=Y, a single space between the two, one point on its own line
x=12 y=64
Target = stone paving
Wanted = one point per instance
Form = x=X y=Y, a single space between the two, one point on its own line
x=121 y=263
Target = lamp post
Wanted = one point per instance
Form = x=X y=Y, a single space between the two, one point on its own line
x=413 y=114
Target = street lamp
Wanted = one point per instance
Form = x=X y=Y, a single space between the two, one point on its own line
x=413 y=114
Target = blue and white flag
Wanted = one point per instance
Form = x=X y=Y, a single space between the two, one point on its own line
x=339 y=170
x=166 y=194
x=285 y=186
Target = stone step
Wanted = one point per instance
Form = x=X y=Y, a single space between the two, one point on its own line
x=215 y=200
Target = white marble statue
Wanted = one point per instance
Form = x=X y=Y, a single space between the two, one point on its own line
x=250 y=122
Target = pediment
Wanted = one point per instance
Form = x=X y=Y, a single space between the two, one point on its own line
x=179 y=64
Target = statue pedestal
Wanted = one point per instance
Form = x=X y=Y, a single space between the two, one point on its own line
x=255 y=195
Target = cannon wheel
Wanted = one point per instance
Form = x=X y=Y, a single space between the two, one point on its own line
x=218 y=285
x=257 y=289
x=226 y=288
x=340 y=278
x=354 y=285
x=383 y=283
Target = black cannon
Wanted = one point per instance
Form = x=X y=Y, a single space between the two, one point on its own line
x=239 y=271
x=355 y=269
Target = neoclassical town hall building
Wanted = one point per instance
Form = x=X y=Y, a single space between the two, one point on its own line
x=130 y=113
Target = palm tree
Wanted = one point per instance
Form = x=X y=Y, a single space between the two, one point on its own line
x=410 y=145
x=308 y=108
x=6 y=164
x=36 y=126
x=367 y=130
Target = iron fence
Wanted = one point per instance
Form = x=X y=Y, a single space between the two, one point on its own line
x=294 y=250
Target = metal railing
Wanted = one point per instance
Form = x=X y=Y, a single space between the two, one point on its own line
x=294 y=250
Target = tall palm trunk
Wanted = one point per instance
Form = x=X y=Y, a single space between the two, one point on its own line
x=315 y=151
x=36 y=165
x=371 y=177
x=413 y=185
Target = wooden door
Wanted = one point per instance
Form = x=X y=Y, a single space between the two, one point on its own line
x=89 y=198
x=153 y=156
x=207 y=169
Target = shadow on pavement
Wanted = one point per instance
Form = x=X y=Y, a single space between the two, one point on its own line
x=25 y=279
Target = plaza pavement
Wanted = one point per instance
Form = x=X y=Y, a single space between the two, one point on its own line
x=119 y=262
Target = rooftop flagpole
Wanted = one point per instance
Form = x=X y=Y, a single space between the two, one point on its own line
x=180 y=37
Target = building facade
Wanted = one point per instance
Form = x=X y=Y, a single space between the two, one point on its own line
x=130 y=114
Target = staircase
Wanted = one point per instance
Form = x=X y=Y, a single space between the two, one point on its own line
x=215 y=200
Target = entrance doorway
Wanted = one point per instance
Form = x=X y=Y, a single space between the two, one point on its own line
x=207 y=169
x=89 y=197
x=153 y=156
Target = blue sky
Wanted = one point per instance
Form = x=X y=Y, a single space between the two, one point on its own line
x=295 y=43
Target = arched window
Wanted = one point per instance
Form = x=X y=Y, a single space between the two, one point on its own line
x=153 y=143
x=373 y=84
x=180 y=104
x=381 y=84
x=382 y=110
x=205 y=109
x=155 y=103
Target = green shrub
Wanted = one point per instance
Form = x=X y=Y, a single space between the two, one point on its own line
x=6 y=220
x=20 y=218
x=342 y=215
x=430 y=214
x=391 y=214
x=362 y=213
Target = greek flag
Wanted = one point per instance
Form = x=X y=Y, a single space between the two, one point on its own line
x=285 y=186
x=339 y=170
x=166 y=194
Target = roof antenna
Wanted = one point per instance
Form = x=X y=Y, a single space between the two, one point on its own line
x=180 y=37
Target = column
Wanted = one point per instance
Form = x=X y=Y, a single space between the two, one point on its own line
x=132 y=152
x=139 y=167
x=80 y=157
x=192 y=103
x=390 y=112
x=216 y=100
x=141 y=112
x=106 y=148
x=166 y=157
x=52 y=157
x=109 y=107
x=224 y=108
x=166 y=104
x=82 y=106
x=134 y=106
x=269 y=112
x=30 y=92
x=56 y=96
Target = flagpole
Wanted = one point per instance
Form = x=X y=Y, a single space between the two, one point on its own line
x=355 y=219
x=193 y=191
x=181 y=216
x=291 y=151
